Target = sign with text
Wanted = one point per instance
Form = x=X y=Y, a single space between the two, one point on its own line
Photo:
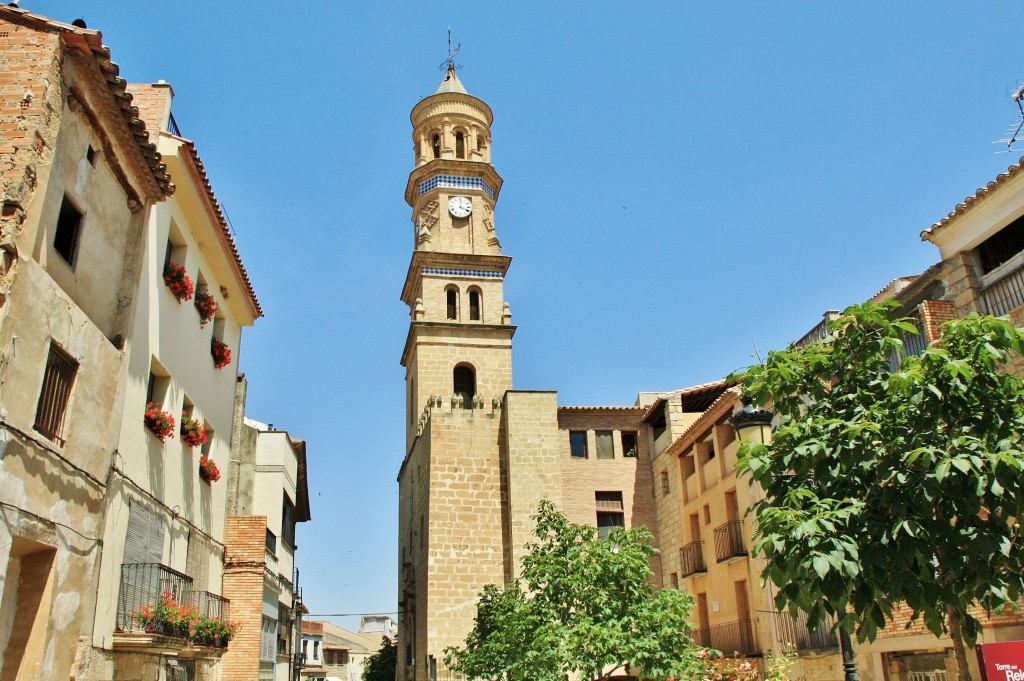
x=1001 y=661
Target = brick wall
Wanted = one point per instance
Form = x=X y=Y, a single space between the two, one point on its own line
x=933 y=314
x=245 y=558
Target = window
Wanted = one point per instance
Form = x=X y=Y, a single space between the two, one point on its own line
x=453 y=303
x=578 y=444
x=665 y=488
x=604 y=444
x=474 y=306
x=464 y=384
x=69 y=227
x=159 y=385
x=460 y=145
x=628 y=443
x=29 y=570
x=436 y=144
x=58 y=377
x=1001 y=246
x=316 y=650
x=271 y=542
x=90 y=156
x=609 y=512
x=288 y=522
x=208 y=445
x=268 y=639
x=707 y=514
x=674 y=580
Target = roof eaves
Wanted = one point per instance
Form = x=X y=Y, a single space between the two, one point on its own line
x=225 y=230
x=712 y=414
x=91 y=42
x=971 y=201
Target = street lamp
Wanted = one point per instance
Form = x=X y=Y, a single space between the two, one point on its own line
x=754 y=424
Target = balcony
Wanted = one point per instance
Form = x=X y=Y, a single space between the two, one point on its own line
x=1006 y=294
x=691 y=559
x=148 y=592
x=729 y=541
x=732 y=639
x=794 y=633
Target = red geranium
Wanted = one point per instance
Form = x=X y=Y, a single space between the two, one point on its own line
x=208 y=469
x=178 y=281
x=206 y=306
x=192 y=432
x=221 y=353
x=159 y=421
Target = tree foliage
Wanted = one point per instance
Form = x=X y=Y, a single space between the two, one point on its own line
x=885 y=487
x=583 y=606
x=381 y=665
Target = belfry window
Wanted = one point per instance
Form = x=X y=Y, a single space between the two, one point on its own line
x=436 y=143
x=460 y=145
x=464 y=384
x=452 y=303
x=474 y=306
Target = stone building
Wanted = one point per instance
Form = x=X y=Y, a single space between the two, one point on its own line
x=481 y=455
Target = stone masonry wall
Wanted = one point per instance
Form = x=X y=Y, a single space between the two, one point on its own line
x=530 y=462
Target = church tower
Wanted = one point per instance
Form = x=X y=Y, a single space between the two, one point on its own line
x=460 y=335
x=458 y=363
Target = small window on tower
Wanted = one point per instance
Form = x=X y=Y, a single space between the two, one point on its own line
x=436 y=143
x=453 y=303
x=460 y=145
x=464 y=384
x=474 y=305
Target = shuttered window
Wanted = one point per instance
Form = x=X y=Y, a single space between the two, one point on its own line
x=58 y=378
x=197 y=562
x=144 y=542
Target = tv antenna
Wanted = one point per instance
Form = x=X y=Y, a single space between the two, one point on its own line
x=449 y=63
x=1014 y=136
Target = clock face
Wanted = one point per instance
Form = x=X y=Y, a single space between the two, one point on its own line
x=460 y=206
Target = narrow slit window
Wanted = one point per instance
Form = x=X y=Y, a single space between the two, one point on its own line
x=460 y=145
x=452 y=304
x=474 y=305
x=436 y=146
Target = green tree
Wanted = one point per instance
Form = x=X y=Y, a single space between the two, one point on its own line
x=583 y=605
x=381 y=665
x=889 y=486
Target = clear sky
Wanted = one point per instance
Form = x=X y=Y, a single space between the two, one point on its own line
x=681 y=180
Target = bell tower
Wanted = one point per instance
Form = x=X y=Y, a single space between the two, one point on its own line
x=460 y=335
x=453 y=537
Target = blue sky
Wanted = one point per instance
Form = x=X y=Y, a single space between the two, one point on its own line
x=682 y=181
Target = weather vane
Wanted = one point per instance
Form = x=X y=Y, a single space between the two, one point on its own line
x=449 y=63
x=1015 y=136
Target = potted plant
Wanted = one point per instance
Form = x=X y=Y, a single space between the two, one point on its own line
x=208 y=469
x=192 y=432
x=178 y=281
x=206 y=306
x=160 y=422
x=221 y=353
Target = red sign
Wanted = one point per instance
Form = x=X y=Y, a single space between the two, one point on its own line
x=1001 y=661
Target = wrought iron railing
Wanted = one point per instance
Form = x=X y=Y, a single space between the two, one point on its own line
x=143 y=585
x=212 y=605
x=1005 y=295
x=729 y=540
x=691 y=559
x=144 y=588
x=732 y=639
x=172 y=126
x=913 y=344
x=819 y=332
x=795 y=634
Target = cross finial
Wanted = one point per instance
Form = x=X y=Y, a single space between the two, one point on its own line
x=449 y=63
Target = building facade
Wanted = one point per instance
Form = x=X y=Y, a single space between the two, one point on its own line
x=80 y=177
x=267 y=497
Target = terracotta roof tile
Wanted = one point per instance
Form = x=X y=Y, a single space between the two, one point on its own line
x=243 y=274
x=970 y=201
x=92 y=41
